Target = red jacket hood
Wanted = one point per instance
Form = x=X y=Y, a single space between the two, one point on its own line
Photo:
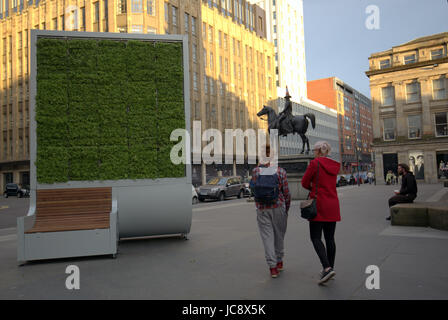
x=330 y=166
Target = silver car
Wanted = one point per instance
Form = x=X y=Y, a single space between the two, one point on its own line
x=222 y=187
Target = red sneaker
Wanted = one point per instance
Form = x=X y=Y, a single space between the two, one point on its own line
x=274 y=272
x=280 y=266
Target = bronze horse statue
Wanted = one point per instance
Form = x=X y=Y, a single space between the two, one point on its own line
x=297 y=124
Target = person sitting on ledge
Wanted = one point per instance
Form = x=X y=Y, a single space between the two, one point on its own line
x=408 y=191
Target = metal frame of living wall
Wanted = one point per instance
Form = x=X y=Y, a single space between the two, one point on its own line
x=35 y=35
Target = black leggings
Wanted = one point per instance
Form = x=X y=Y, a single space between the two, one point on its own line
x=327 y=255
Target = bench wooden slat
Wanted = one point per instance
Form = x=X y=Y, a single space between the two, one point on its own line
x=72 y=209
x=75 y=202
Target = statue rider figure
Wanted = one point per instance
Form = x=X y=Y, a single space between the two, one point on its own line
x=286 y=116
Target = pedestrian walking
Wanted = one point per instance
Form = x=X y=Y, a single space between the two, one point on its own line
x=408 y=190
x=272 y=200
x=389 y=176
x=370 y=177
x=323 y=171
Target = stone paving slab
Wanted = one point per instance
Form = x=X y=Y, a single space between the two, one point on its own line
x=224 y=259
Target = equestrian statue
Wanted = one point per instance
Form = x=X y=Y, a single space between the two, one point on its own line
x=286 y=123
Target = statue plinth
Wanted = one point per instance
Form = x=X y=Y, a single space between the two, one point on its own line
x=295 y=166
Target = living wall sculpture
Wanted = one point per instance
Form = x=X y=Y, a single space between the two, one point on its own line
x=105 y=109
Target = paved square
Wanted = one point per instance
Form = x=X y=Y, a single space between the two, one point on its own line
x=224 y=258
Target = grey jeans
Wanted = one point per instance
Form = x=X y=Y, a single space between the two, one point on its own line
x=272 y=224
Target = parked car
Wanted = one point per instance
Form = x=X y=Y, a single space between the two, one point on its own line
x=222 y=187
x=13 y=189
x=194 y=195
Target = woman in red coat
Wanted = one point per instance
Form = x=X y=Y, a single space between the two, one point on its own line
x=327 y=206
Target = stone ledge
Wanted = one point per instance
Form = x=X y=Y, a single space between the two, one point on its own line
x=420 y=214
x=438 y=218
x=409 y=214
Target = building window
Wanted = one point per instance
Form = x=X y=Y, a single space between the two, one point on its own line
x=106 y=17
x=213 y=115
x=137 y=28
x=193 y=26
x=121 y=6
x=195 y=81
x=195 y=53
x=197 y=110
x=96 y=12
x=167 y=12
x=152 y=30
x=412 y=92
x=441 y=124
x=151 y=7
x=187 y=22
x=212 y=86
x=55 y=23
x=410 y=59
x=137 y=6
x=221 y=88
x=174 y=18
x=415 y=126
x=437 y=54
x=210 y=34
x=439 y=88
x=204 y=31
x=385 y=64
x=205 y=84
x=220 y=39
x=211 y=61
x=388 y=96
x=389 y=129
x=83 y=19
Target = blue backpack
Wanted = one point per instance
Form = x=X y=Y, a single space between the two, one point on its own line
x=266 y=188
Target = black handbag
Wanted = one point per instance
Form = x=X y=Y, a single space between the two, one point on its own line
x=308 y=208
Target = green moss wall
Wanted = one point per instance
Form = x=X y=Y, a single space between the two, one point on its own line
x=105 y=109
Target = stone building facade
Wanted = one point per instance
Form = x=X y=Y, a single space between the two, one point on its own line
x=232 y=68
x=355 y=132
x=409 y=89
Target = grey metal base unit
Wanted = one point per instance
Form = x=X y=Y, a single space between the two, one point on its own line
x=154 y=210
x=65 y=244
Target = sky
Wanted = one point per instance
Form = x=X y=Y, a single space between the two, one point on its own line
x=338 y=43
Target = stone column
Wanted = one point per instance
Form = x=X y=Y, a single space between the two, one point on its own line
x=431 y=166
x=16 y=176
x=403 y=157
x=379 y=175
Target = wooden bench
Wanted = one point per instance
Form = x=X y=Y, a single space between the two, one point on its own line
x=72 y=209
